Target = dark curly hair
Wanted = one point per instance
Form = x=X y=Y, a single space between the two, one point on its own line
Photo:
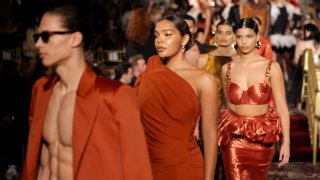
x=314 y=33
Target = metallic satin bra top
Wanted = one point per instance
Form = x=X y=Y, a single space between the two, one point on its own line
x=259 y=93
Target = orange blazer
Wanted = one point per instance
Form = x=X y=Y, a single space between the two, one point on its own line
x=108 y=137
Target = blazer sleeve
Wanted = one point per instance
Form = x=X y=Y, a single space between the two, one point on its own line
x=26 y=175
x=29 y=172
x=33 y=97
x=135 y=158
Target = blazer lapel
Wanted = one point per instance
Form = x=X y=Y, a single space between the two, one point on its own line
x=35 y=136
x=86 y=106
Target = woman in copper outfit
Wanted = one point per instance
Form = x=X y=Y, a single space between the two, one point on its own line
x=173 y=94
x=249 y=127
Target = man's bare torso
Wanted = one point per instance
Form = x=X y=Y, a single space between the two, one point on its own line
x=57 y=134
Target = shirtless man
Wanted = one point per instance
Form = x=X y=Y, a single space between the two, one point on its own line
x=81 y=126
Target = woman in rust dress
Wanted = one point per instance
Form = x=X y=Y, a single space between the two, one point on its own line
x=249 y=127
x=173 y=94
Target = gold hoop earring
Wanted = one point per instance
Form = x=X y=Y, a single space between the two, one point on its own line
x=258 y=45
x=235 y=46
x=216 y=44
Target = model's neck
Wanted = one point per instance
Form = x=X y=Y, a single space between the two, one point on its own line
x=70 y=73
x=249 y=56
x=225 y=50
x=174 y=61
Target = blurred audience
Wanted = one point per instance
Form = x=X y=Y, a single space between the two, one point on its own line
x=123 y=72
x=138 y=65
x=311 y=40
x=139 y=34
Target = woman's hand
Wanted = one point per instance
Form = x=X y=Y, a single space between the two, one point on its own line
x=284 y=154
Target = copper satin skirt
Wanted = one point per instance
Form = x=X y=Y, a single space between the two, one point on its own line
x=247 y=144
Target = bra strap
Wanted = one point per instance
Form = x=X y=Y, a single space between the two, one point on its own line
x=228 y=75
x=267 y=75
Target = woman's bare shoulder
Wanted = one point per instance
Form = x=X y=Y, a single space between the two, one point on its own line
x=305 y=44
x=275 y=68
x=275 y=64
x=204 y=78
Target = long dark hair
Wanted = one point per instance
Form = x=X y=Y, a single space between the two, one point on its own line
x=314 y=33
x=73 y=19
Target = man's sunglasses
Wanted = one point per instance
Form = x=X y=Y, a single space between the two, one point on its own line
x=45 y=35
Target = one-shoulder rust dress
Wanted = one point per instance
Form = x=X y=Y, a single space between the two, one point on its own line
x=169 y=113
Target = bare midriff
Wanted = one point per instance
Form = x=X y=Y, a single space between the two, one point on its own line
x=249 y=110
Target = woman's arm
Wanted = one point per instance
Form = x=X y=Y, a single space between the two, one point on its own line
x=210 y=110
x=278 y=90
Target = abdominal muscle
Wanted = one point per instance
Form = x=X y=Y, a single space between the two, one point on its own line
x=249 y=109
x=60 y=162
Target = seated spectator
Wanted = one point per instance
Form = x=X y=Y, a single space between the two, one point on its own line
x=311 y=40
x=138 y=65
x=123 y=73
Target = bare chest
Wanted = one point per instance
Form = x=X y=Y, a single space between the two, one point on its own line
x=58 y=120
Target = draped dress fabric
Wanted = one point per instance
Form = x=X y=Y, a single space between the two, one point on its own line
x=169 y=113
x=247 y=143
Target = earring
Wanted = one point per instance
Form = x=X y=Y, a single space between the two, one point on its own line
x=183 y=49
x=235 y=46
x=258 y=45
x=216 y=44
